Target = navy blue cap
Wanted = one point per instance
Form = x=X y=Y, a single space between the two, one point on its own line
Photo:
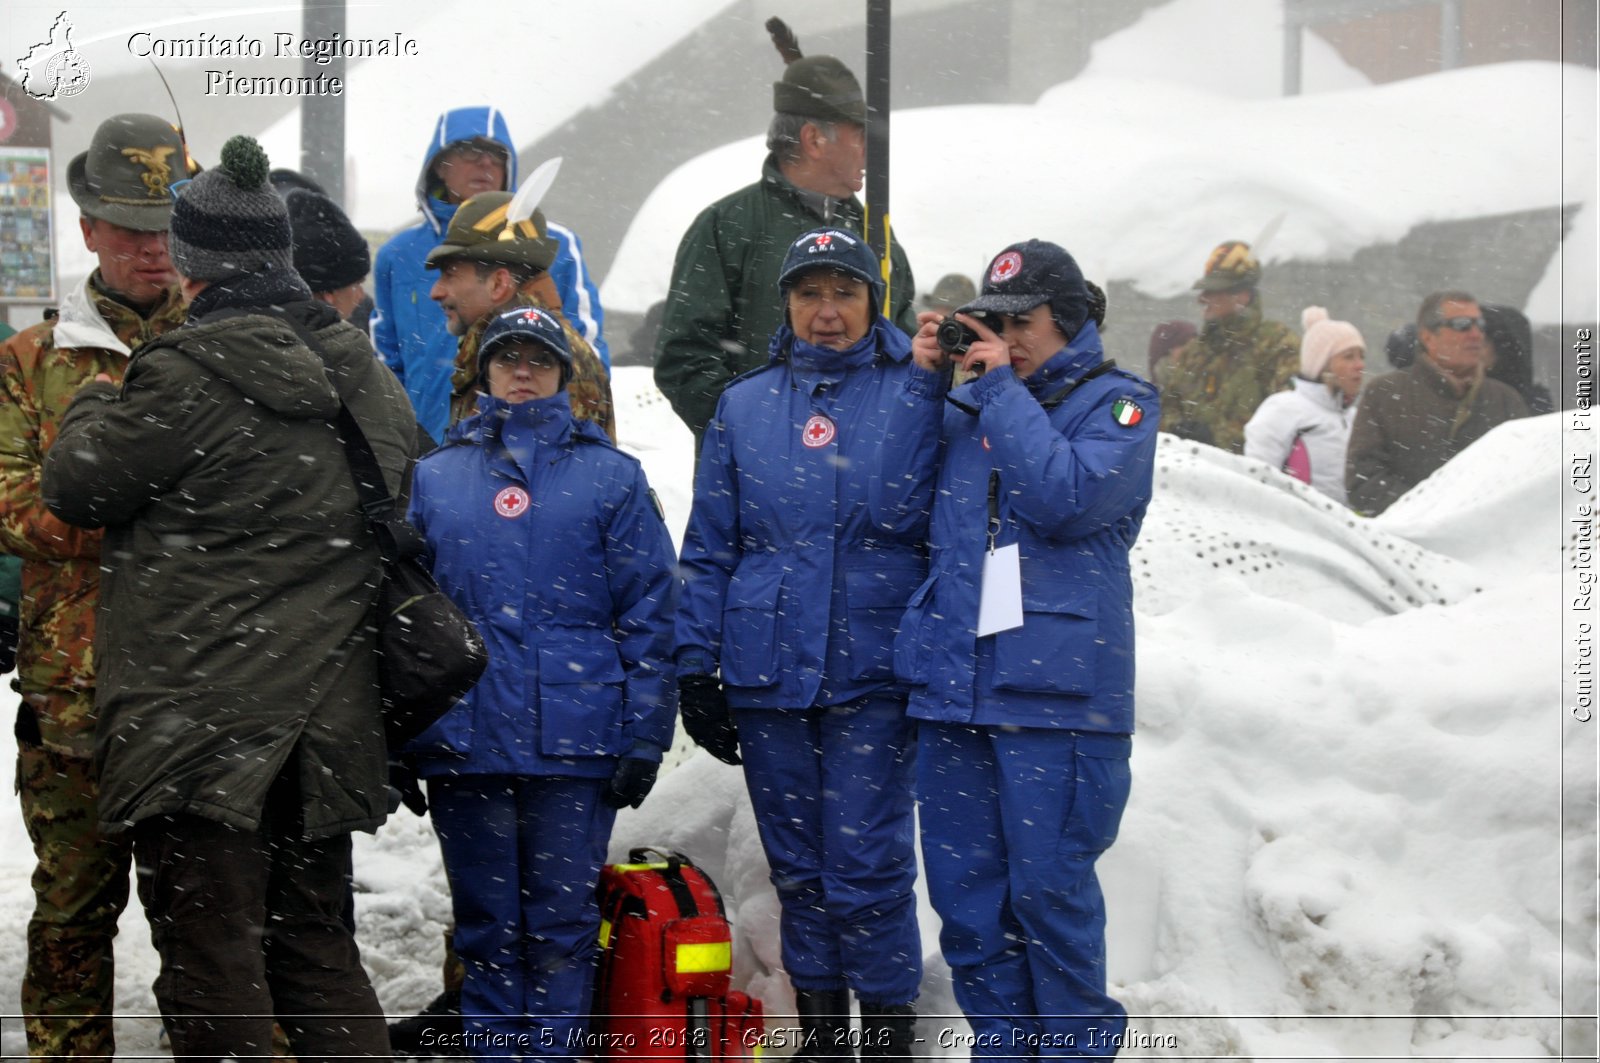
x=525 y=323
x=833 y=249
x=1031 y=274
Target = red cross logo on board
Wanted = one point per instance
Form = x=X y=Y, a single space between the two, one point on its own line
x=1005 y=267
x=818 y=432
x=511 y=502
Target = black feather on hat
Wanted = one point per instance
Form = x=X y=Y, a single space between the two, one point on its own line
x=817 y=86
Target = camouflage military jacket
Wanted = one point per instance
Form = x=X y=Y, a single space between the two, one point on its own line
x=41 y=369
x=589 y=390
x=1216 y=380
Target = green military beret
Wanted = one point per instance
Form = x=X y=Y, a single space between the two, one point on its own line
x=820 y=87
x=126 y=176
x=479 y=233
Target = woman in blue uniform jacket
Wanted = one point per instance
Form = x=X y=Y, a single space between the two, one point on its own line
x=547 y=537
x=1024 y=720
x=797 y=563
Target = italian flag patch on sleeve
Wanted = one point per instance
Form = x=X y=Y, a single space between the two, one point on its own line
x=1126 y=412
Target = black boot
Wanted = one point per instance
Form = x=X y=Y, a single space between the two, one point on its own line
x=433 y=1031
x=824 y=1025
x=888 y=1031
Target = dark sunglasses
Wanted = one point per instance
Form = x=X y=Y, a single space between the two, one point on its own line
x=1458 y=324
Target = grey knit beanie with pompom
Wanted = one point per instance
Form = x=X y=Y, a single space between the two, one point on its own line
x=228 y=220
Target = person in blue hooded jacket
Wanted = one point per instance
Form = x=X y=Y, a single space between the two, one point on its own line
x=1020 y=646
x=797 y=563
x=470 y=151
x=549 y=539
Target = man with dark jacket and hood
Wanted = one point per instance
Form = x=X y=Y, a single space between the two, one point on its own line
x=723 y=306
x=240 y=738
x=470 y=152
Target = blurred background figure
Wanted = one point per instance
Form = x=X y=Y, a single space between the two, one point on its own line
x=1413 y=421
x=1165 y=341
x=1305 y=431
x=1217 y=379
x=1510 y=337
x=953 y=290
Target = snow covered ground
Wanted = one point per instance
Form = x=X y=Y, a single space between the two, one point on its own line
x=1345 y=838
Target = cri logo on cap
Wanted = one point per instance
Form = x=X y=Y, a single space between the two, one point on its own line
x=1005 y=267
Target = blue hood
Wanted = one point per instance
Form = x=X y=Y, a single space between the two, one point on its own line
x=463 y=123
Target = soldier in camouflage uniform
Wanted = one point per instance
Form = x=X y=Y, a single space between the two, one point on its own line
x=487 y=265
x=121 y=185
x=1213 y=383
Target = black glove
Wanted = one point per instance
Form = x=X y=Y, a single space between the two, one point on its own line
x=8 y=642
x=630 y=783
x=405 y=788
x=707 y=718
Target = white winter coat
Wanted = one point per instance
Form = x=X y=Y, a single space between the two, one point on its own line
x=1304 y=432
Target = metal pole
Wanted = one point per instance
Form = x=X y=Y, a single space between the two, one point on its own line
x=322 y=117
x=1292 y=53
x=1449 y=34
x=878 y=228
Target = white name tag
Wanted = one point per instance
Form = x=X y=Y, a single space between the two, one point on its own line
x=1000 y=598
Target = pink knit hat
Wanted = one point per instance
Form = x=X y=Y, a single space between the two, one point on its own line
x=1324 y=338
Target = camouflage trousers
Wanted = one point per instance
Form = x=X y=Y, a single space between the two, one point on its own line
x=80 y=887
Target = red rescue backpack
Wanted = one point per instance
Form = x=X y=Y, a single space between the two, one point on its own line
x=666 y=953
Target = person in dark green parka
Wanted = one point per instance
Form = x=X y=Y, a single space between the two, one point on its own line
x=723 y=307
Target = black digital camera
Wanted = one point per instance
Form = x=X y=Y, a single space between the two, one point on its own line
x=954 y=337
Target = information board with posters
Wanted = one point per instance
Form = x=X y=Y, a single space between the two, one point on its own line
x=27 y=262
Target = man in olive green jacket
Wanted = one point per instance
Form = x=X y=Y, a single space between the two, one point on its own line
x=240 y=736
x=723 y=306
x=1214 y=383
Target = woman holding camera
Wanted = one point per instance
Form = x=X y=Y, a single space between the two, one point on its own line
x=798 y=561
x=1020 y=645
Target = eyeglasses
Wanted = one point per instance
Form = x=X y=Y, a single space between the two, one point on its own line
x=1457 y=324
x=177 y=187
x=511 y=360
x=471 y=151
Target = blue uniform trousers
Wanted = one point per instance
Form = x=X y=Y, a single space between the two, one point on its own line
x=831 y=789
x=1013 y=820
x=523 y=855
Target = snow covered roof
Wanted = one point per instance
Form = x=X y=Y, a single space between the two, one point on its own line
x=1139 y=178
